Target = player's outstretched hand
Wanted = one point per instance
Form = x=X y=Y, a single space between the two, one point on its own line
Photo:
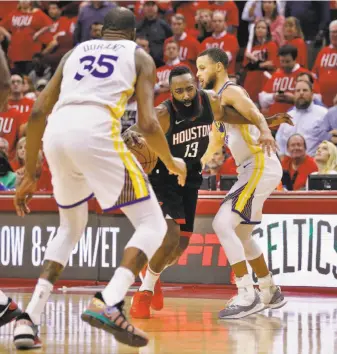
x=132 y=138
x=277 y=119
x=23 y=195
x=178 y=167
x=268 y=142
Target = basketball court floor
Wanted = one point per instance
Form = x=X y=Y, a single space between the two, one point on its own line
x=187 y=324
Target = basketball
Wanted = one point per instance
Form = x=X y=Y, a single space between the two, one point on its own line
x=145 y=156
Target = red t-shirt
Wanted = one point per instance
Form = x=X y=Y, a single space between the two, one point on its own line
x=303 y=171
x=230 y=10
x=163 y=73
x=189 y=10
x=255 y=79
x=10 y=122
x=44 y=182
x=23 y=26
x=302 y=51
x=282 y=81
x=226 y=42
x=24 y=106
x=189 y=48
x=325 y=68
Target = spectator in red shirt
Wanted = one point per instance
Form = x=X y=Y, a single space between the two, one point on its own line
x=325 y=67
x=11 y=128
x=231 y=12
x=25 y=25
x=223 y=40
x=293 y=35
x=162 y=88
x=190 y=10
x=261 y=57
x=189 y=46
x=278 y=93
x=20 y=154
x=17 y=99
x=298 y=165
x=204 y=24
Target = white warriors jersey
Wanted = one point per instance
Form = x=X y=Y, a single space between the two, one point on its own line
x=99 y=72
x=242 y=140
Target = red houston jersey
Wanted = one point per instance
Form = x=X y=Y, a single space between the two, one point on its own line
x=226 y=42
x=255 y=79
x=10 y=122
x=189 y=48
x=282 y=81
x=23 y=105
x=325 y=68
x=23 y=26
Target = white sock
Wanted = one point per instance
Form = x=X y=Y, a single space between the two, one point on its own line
x=118 y=286
x=245 y=284
x=150 y=280
x=39 y=299
x=3 y=298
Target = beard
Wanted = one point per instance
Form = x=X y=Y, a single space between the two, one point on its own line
x=211 y=83
x=302 y=104
x=191 y=111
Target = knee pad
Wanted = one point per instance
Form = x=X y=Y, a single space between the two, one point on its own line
x=72 y=225
x=149 y=236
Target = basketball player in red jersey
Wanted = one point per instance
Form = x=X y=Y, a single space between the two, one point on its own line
x=186 y=120
x=8 y=308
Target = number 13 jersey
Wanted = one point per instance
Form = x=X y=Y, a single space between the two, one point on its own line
x=99 y=72
x=188 y=139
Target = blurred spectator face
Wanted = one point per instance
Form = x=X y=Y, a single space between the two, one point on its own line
x=268 y=7
x=333 y=34
x=172 y=51
x=25 y=5
x=21 y=149
x=296 y=147
x=322 y=154
x=290 y=29
x=287 y=63
x=218 y=22
x=25 y=86
x=261 y=29
x=205 y=18
x=96 y=31
x=54 y=11
x=150 y=10
x=144 y=43
x=16 y=84
x=303 y=95
x=217 y=160
x=177 y=25
x=4 y=146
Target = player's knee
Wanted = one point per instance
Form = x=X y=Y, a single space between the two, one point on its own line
x=149 y=234
x=252 y=249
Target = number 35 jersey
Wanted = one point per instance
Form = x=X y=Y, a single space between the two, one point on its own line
x=99 y=72
x=188 y=139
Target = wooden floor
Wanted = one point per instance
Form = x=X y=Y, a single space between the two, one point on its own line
x=306 y=325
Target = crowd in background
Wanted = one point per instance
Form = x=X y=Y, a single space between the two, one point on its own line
x=284 y=53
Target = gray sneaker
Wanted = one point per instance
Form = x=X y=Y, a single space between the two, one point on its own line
x=242 y=305
x=277 y=299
